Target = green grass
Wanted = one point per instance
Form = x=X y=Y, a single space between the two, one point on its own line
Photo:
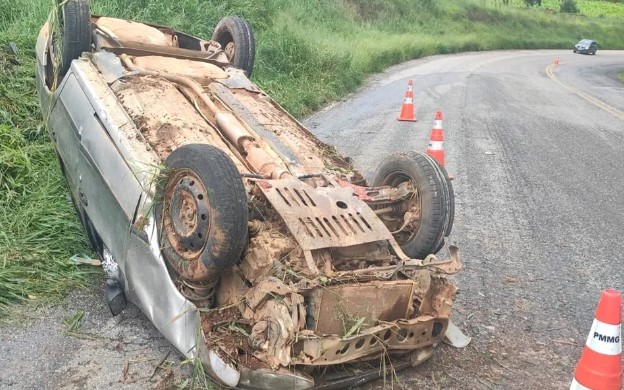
x=593 y=8
x=621 y=76
x=38 y=230
x=308 y=54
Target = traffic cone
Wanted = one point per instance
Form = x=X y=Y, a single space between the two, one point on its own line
x=436 y=140
x=557 y=60
x=600 y=366
x=407 y=110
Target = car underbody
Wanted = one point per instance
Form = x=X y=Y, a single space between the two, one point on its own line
x=319 y=293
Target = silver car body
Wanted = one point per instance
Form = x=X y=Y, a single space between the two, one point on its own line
x=112 y=175
x=90 y=131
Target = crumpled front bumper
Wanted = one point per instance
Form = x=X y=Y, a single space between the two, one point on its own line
x=344 y=377
x=375 y=342
x=357 y=356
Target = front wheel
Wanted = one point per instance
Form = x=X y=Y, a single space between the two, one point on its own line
x=236 y=38
x=433 y=200
x=201 y=210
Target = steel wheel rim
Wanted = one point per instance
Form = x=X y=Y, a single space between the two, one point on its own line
x=230 y=49
x=186 y=213
x=413 y=203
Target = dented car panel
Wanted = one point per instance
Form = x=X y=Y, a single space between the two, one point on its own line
x=321 y=280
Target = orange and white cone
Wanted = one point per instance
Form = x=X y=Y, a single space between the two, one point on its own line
x=557 y=60
x=408 y=112
x=600 y=366
x=436 y=140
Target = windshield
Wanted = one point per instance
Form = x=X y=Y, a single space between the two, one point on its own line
x=585 y=42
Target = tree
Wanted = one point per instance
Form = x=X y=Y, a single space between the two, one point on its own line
x=568 y=6
x=531 y=3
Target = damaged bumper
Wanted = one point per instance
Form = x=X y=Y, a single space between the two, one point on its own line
x=290 y=337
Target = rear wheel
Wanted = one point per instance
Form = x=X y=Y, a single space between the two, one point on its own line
x=433 y=200
x=201 y=210
x=70 y=40
x=236 y=38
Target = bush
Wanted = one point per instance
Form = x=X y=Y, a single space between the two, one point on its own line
x=530 y=3
x=568 y=6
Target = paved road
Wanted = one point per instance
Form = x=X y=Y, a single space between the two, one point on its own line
x=538 y=159
x=40 y=351
x=539 y=215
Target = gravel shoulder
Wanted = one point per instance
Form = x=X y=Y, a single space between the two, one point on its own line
x=40 y=351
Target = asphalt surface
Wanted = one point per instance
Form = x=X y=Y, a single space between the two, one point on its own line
x=539 y=209
x=538 y=163
x=39 y=349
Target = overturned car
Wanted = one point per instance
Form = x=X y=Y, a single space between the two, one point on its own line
x=251 y=245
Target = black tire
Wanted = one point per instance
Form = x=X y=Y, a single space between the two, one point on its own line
x=450 y=195
x=76 y=32
x=201 y=182
x=435 y=195
x=236 y=38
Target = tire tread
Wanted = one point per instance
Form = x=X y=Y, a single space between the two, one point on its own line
x=228 y=199
x=433 y=186
x=76 y=32
x=242 y=34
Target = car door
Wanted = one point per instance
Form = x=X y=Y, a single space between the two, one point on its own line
x=101 y=182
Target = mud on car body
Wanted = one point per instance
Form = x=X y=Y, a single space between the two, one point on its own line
x=200 y=192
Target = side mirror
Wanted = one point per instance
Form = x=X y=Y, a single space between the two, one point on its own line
x=115 y=297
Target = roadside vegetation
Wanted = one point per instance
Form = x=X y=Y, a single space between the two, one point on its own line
x=582 y=7
x=309 y=53
x=38 y=228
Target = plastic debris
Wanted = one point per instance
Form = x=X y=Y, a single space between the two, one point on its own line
x=83 y=259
